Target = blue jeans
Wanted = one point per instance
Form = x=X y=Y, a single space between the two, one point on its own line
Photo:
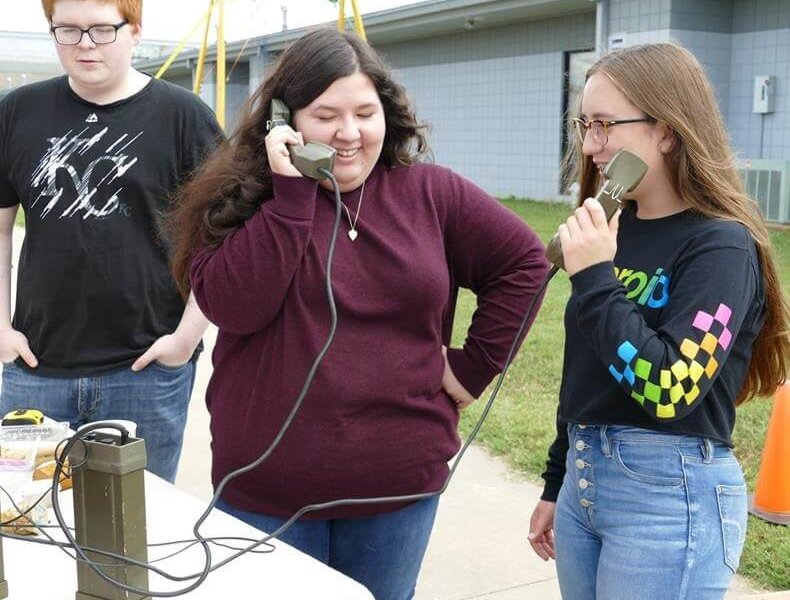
x=644 y=515
x=155 y=398
x=383 y=553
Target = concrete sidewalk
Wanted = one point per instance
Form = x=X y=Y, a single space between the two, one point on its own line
x=478 y=549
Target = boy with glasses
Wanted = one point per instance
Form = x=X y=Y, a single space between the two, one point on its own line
x=100 y=330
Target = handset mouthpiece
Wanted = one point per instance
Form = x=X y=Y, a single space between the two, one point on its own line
x=622 y=173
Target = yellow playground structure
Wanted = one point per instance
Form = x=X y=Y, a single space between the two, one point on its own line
x=218 y=7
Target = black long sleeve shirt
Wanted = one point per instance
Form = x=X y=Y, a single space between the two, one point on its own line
x=662 y=338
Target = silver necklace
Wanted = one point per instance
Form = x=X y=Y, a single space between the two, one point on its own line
x=353 y=233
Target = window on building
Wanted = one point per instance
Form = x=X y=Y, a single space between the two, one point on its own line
x=576 y=64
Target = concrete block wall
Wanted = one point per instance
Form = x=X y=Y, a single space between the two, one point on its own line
x=760 y=46
x=494 y=100
x=635 y=16
x=237 y=90
x=714 y=51
x=494 y=96
x=735 y=40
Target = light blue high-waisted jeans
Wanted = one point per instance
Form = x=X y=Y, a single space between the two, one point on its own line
x=645 y=515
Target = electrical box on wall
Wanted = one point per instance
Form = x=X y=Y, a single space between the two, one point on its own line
x=764 y=92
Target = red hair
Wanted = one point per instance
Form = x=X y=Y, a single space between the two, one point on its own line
x=131 y=10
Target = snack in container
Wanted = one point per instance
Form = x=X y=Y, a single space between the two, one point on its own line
x=23 y=448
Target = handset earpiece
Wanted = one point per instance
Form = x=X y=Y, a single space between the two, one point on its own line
x=623 y=173
x=310 y=159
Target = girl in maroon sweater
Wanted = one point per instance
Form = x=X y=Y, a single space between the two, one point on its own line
x=380 y=418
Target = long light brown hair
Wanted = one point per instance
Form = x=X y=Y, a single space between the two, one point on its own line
x=666 y=82
x=233 y=183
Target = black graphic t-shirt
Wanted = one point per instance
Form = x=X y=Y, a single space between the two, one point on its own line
x=95 y=182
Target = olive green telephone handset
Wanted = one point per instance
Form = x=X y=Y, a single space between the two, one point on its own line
x=307 y=159
x=623 y=173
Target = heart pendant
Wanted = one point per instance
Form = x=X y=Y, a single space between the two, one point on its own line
x=352 y=234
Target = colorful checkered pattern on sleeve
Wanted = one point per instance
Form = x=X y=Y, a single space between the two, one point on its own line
x=658 y=389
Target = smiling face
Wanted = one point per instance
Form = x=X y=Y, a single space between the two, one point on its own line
x=95 y=69
x=348 y=116
x=602 y=100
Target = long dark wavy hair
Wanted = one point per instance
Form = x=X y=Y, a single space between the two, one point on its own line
x=237 y=178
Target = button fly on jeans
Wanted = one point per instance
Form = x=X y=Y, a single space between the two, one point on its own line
x=580 y=464
x=580 y=445
x=585 y=503
x=583 y=483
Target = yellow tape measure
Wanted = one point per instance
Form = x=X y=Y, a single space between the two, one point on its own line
x=24 y=416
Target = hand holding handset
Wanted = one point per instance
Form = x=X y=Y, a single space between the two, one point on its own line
x=623 y=173
x=307 y=159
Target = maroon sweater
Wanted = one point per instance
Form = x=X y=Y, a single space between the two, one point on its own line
x=376 y=421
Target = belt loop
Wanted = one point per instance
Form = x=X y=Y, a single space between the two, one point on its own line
x=605 y=442
x=707 y=451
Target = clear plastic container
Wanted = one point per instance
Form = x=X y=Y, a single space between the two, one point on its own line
x=22 y=447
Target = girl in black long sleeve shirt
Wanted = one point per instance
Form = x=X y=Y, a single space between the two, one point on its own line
x=676 y=316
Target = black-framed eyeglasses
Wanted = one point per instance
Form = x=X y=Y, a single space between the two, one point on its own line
x=600 y=129
x=68 y=35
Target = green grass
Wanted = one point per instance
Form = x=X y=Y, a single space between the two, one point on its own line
x=521 y=425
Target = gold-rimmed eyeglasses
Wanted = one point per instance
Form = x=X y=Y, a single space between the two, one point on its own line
x=599 y=129
x=69 y=35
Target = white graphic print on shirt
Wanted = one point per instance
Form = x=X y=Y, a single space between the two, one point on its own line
x=59 y=156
